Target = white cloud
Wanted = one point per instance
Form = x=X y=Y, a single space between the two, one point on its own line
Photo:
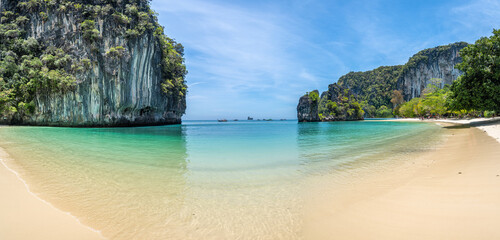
x=242 y=58
x=474 y=19
x=194 y=84
x=478 y=14
x=252 y=57
x=238 y=47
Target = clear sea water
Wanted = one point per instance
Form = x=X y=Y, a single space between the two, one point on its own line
x=201 y=179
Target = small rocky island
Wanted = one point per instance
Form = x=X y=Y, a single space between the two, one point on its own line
x=357 y=95
x=88 y=63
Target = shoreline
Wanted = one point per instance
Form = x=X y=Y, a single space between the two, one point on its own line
x=490 y=126
x=27 y=216
x=358 y=205
x=448 y=193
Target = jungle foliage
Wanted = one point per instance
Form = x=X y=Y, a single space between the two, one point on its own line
x=373 y=88
x=339 y=104
x=479 y=86
x=431 y=104
x=475 y=93
x=376 y=90
x=27 y=67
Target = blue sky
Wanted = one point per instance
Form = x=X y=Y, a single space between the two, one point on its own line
x=256 y=58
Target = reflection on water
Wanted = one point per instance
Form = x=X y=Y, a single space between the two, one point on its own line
x=201 y=180
x=329 y=146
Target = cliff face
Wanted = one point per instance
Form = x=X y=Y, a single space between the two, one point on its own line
x=125 y=71
x=336 y=104
x=375 y=86
x=372 y=90
x=307 y=110
x=339 y=104
x=431 y=63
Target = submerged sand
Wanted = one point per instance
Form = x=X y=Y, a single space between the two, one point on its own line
x=24 y=216
x=449 y=193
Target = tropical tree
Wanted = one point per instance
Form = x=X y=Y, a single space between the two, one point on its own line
x=384 y=112
x=397 y=98
x=479 y=86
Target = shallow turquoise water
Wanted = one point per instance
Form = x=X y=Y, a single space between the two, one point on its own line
x=202 y=179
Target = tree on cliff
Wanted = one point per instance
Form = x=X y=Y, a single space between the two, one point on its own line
x=479 y=87
x=314 y=96
x=397 y=98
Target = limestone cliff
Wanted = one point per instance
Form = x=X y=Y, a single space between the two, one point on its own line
x=373 y=89
x=430 y=63
x=95 y=63
x=339 y=104
x=336 y=104
x=375 y=86
x=307 y=110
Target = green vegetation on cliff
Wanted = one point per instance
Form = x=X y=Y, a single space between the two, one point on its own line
x=429 y=54
x=339 y=104
x=475 y=93
x=314 y=96
x=381 y=92
x=30 y=67
x=374 y=87
x=432 y=103
x=377 y=91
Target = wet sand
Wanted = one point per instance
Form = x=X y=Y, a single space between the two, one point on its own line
x=449 y=193
x=24 y=216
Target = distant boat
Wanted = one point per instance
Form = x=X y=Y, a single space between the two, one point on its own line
x=222 y=120
x=268 y=119
x=249 y=118
x=235 y=120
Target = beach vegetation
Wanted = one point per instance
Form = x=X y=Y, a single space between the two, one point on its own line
x=432 y=104
x=489 y=114
x=368 y=109
x=479 y=86
x=384 y=112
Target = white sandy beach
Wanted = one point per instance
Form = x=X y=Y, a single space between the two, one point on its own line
x=24 y=216
x=489 y=125
x=449 y=193
x=492 y=130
